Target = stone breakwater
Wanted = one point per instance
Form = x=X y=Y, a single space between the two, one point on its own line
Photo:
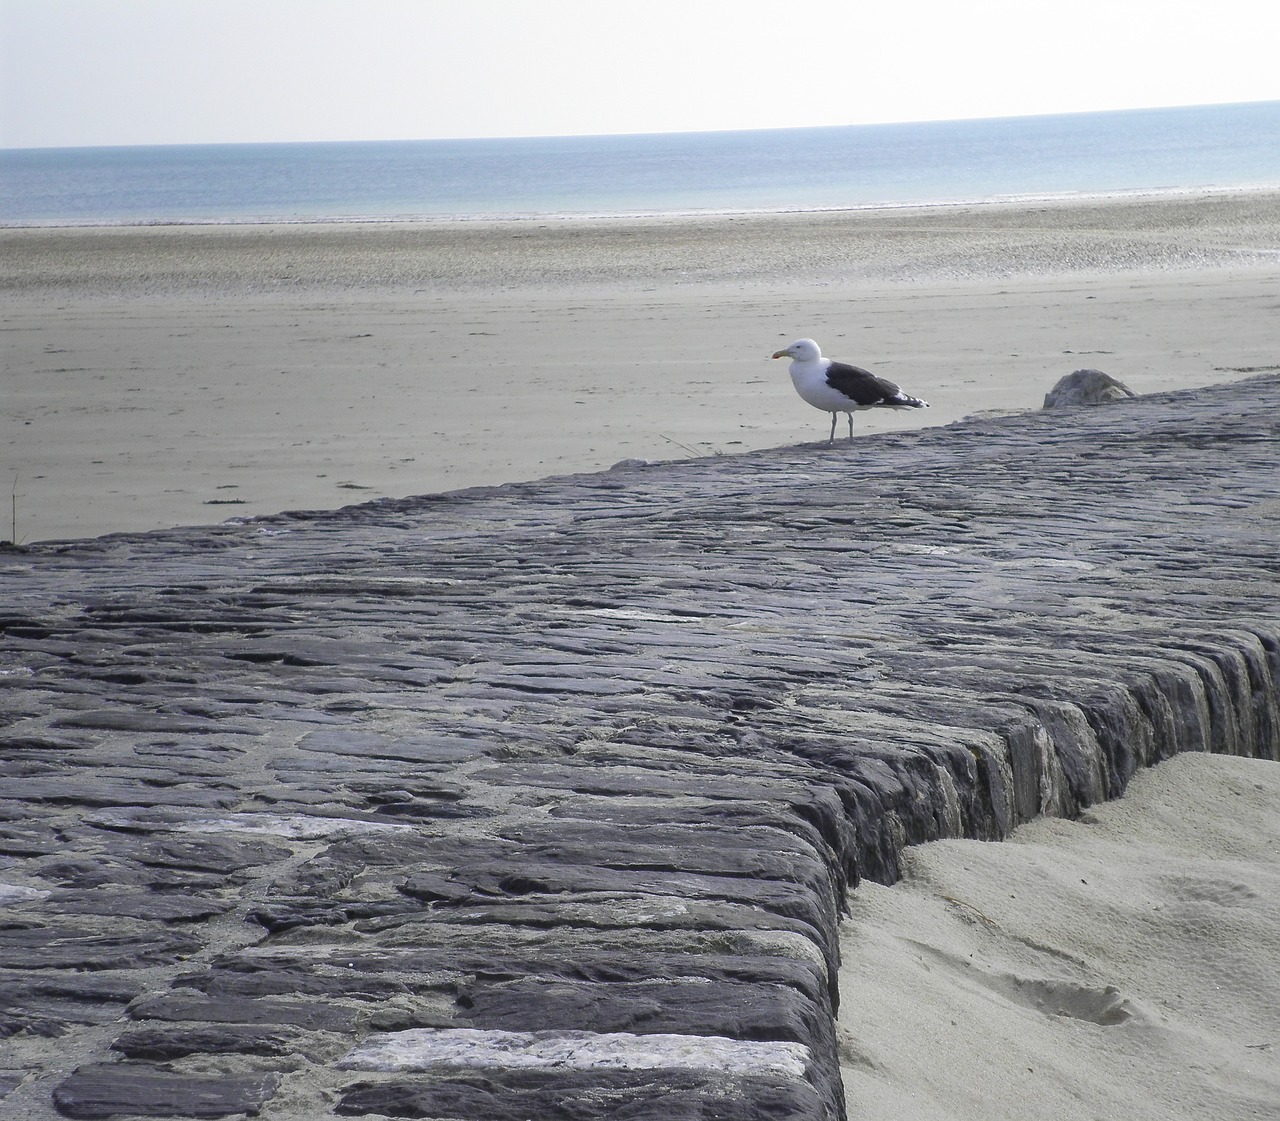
x=542 y=801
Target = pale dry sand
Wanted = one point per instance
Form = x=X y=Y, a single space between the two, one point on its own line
x=1126 y=965
x=182 y=375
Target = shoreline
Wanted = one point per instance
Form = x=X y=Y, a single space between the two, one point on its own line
x=161 y=376
x=1065 y=198
x=903 y=247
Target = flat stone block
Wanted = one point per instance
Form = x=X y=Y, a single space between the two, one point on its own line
x=94 y=1093
x=164 y=1042
x=668 y=1095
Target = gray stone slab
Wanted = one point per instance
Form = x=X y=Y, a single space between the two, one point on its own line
x=182 y=1005
x=123 y=1089
x=166 y=1042
x=87 y=944
x=637 y=1096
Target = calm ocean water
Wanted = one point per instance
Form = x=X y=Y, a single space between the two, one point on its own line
x=776 y=169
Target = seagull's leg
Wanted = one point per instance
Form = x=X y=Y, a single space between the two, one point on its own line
x=832 y=438
x=850 y=416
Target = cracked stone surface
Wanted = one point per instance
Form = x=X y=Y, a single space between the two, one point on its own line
x=543 y=800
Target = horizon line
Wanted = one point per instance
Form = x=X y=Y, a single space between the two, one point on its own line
x=637 y=133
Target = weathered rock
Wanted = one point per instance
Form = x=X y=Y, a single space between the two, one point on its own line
x=601 y=754
x=635 y=1095
x=52 y=1004
x=138 y=905
x=111 y=1090
x=1086 y=387
x=680 y=1007
x=164 y=1042
x=39 y=945
x=179 y=1006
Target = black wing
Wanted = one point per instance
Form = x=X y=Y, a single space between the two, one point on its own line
x=859 y=385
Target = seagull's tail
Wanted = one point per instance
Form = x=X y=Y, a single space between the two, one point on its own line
x=906 y=401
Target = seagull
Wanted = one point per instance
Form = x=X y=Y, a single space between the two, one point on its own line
x=836 y=387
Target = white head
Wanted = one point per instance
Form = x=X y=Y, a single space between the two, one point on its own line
x=802 y=350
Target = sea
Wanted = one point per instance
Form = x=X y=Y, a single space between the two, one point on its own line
x=566 y=177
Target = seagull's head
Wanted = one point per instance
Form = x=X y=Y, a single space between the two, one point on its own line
x=802 y=350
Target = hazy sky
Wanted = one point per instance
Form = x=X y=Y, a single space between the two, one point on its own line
x=76 y=72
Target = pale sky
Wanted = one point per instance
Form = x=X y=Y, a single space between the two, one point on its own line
x=88 y=72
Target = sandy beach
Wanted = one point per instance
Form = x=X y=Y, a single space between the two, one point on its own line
x=1122 y=965
x=185 y=374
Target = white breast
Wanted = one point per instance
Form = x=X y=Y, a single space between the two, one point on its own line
x=810 y=380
